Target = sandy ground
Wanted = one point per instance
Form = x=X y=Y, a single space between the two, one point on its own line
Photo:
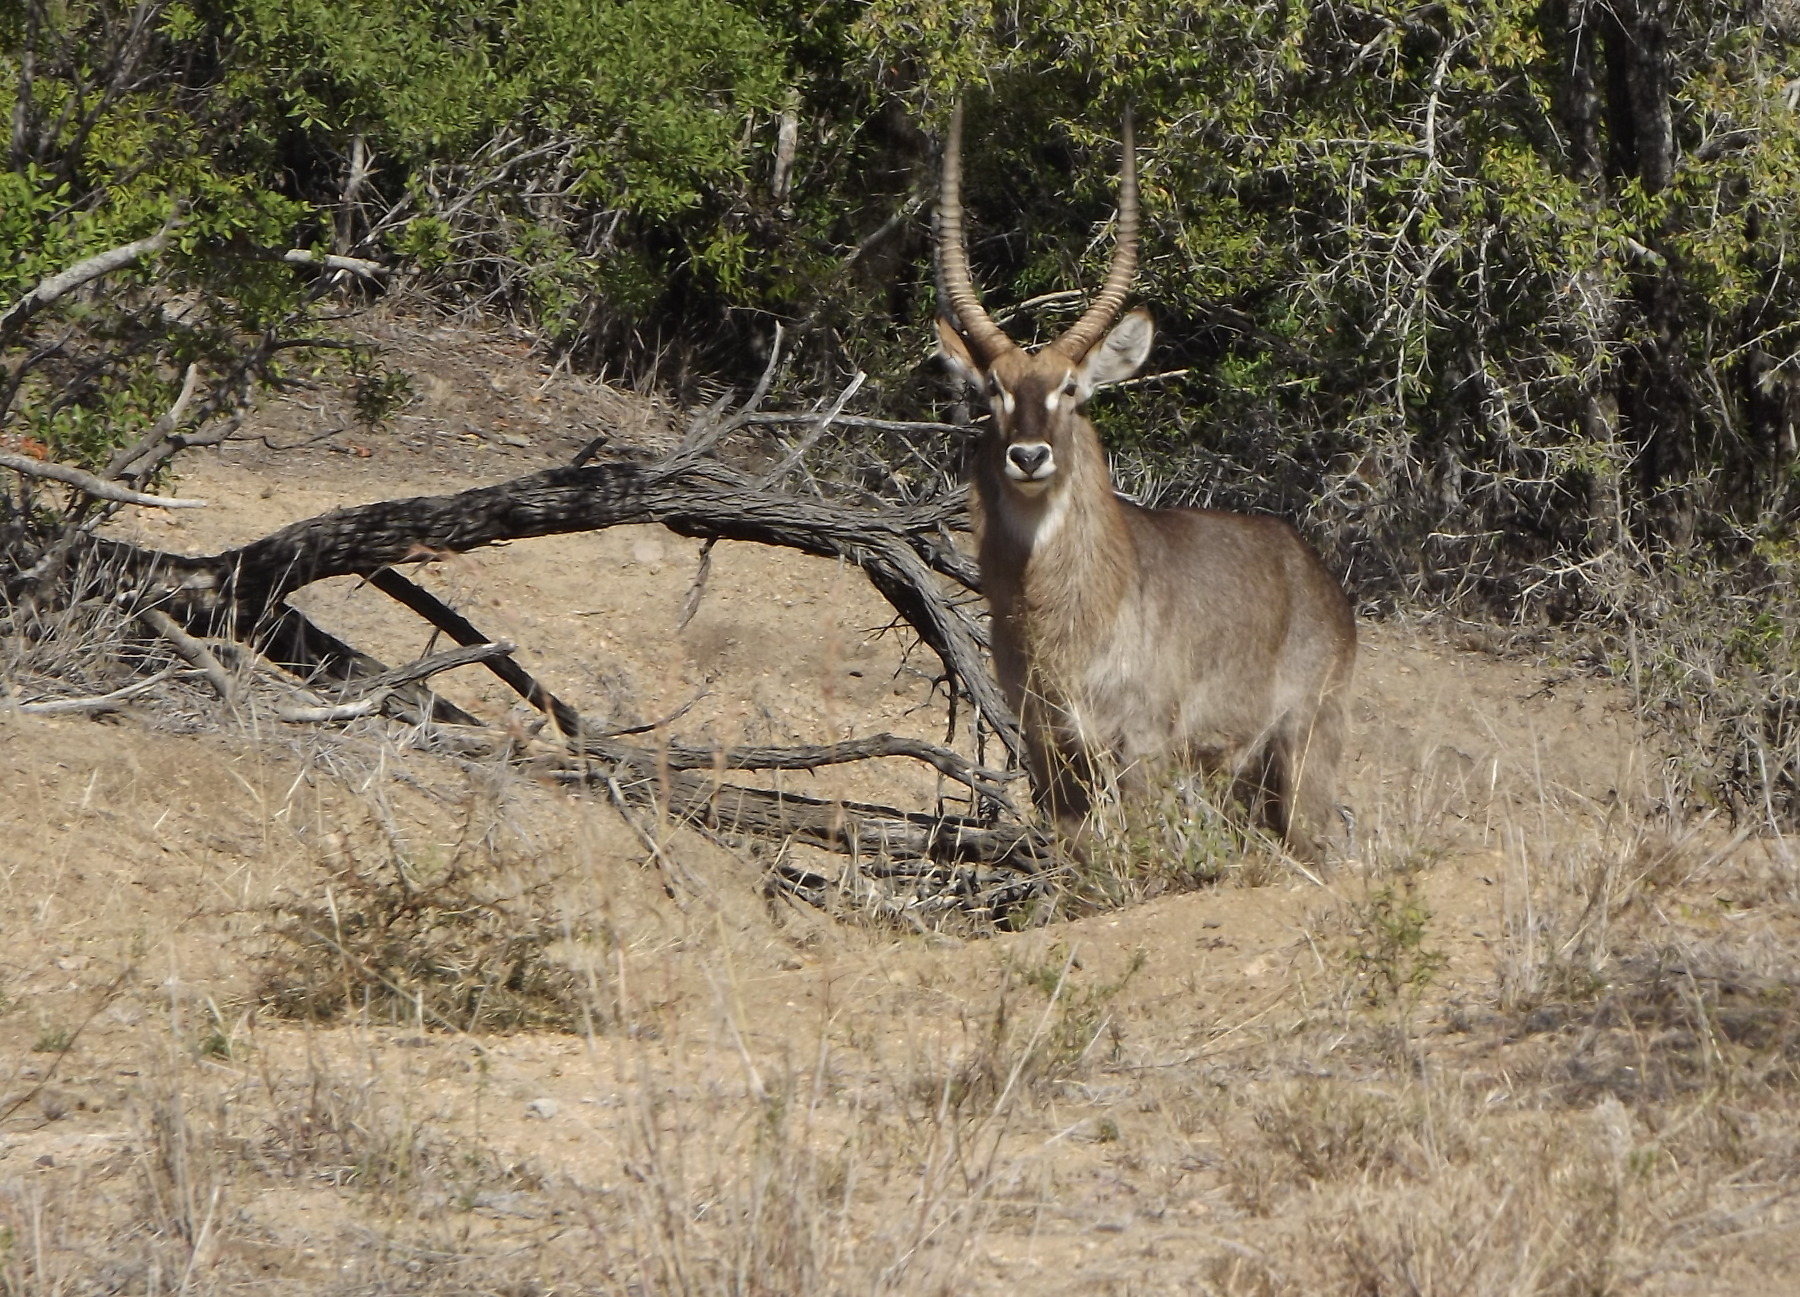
x=766 y=1098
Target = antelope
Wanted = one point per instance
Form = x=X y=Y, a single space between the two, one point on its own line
x=1131 y=641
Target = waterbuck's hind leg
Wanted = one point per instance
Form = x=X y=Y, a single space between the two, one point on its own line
x=1307 y=748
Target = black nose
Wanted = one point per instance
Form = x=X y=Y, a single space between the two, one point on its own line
x=1028 y=456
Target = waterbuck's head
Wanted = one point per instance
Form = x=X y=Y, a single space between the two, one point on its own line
x=1039 y=438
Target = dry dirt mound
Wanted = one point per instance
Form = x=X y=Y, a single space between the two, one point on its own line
x=1534 y=1036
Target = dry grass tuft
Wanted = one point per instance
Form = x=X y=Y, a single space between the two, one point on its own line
x=1623 y=959
x=464 y=940
x=1039 y=1031
x=1186 y=831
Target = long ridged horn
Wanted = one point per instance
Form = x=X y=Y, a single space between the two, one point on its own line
x=987 y=339
x=1086 y=331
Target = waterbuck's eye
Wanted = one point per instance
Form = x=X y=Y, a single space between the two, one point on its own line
x=1071 y=388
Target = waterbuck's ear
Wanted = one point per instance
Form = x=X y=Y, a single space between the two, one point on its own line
x=956 y=353
x=1120 y=352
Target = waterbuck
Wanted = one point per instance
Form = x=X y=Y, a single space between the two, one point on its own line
x=1133 y=642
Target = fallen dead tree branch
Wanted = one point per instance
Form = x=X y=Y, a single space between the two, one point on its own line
x=371 y=693
x=985 y=859
x=426 y=667
x=292 y=642
x=240 y=592
x=593 y=742
x=862 y=830
x=460 y=629
x=329 y=713
x=985 y=783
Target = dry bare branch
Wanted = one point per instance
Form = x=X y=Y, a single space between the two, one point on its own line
x=859 y=829
x=860 y=421
x=100 y=703
x=820 y=425
x=460 y=629
x=292 y=642
x=899 y=549
x=987 y=783
x=360 y=266
x=368 y=695
x=192 y=651
x=691 y=604
x=426 y=667
x=587 y=739
x=327 y=713
x=160 y=430
x=90 y=485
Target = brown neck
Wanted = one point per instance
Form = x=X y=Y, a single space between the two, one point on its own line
x=1054 y=566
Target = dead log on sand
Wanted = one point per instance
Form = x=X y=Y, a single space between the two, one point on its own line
x=907 y=554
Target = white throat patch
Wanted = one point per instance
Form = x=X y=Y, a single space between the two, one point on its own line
x=1051 y=521
x=1035 y=528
